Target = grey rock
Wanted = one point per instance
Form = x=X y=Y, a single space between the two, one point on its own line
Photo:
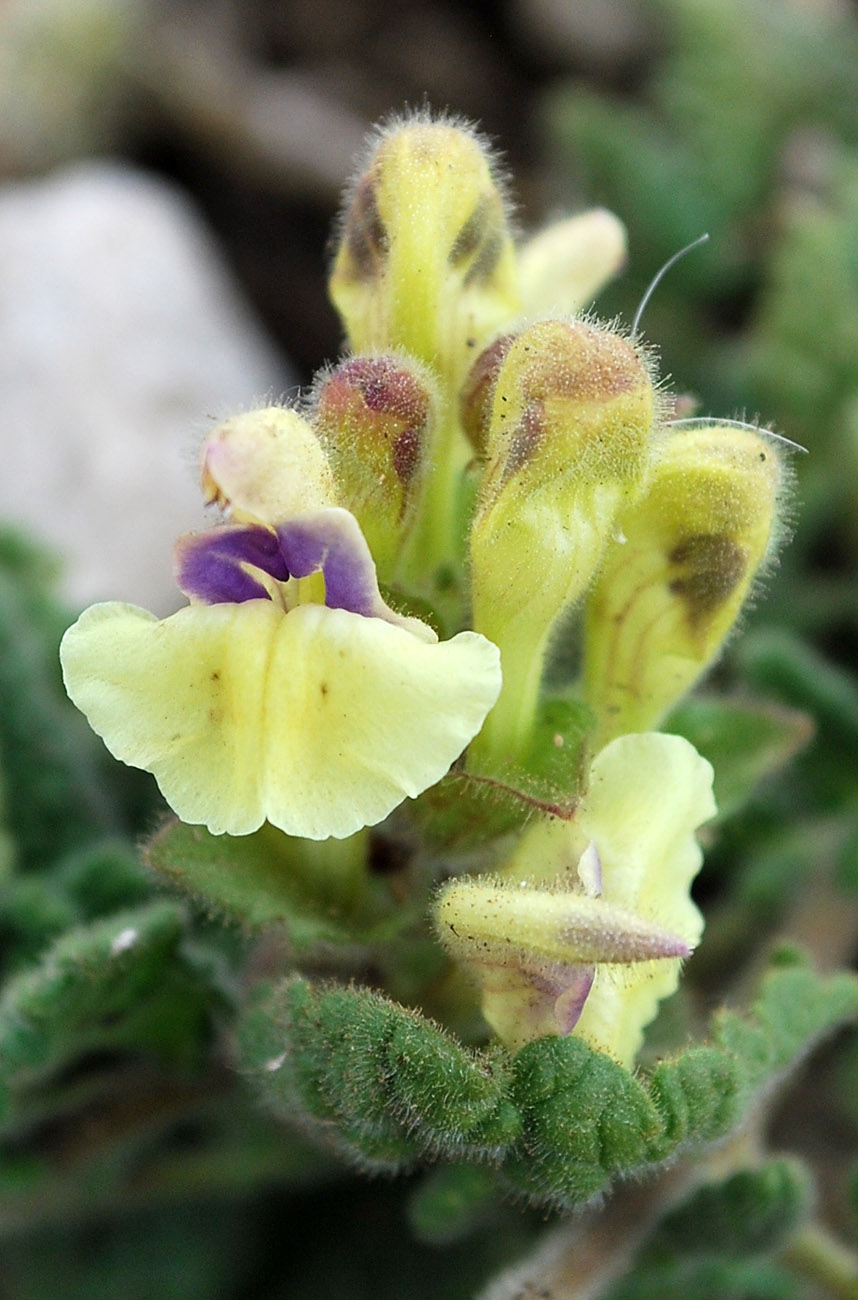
x=122 y=341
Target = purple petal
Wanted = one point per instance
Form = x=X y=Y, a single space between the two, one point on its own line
x=210 y=566
x=570 y=1003
x=563 y=989
x=331 y=540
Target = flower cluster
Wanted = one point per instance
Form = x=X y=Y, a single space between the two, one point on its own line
x=400 y=568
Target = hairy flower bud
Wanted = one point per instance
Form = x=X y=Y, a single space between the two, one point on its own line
x=266 y=466
x=567 y=444
x=534 y=949
x=672 y=584
x=426 y=261
x=374 y=416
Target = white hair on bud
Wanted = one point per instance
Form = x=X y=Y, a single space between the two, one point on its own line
x=712 y=421
x=659 y=276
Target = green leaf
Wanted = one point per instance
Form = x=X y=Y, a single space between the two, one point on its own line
x=124 y=984
x=559 y=1119
x=753 y=1212
x=698 y=1096
x=557 y=757
x=54 y=798
x=104 y=877
x=585 y=1120
x=707 y=1279
x=794 y=1010
x=193 y=1255
x=33 y=913
x=392 y=1084
x=705 y=1091
x=466 y=812
x=450 y=1202
x=744 y=741
x=319 y=891
x=778 y=662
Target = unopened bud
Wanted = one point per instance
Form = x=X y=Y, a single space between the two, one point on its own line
x=374 y=416
x=426 y=260
x=567 y=444
x=534 y=949
x=563 y=267
x=265 y=467
x=675 y=577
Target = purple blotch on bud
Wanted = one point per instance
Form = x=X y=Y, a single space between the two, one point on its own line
x=374 y=416
x=375 y=408
x=712 y=566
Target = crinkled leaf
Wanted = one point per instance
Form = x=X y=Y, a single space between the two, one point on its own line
x=390 y=1083
x=562 y=1119
x=585 y=1120
x=124 y=984
x=752 y=1212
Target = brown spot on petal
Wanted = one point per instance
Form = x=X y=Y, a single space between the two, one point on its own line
x=713 y=566
x=472 y=233
x=406 y=454
x=525 y=439
x=475 y=402
x=366 y=236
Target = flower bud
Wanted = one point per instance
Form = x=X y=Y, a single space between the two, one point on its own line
x=586 y=927
x=266 y=466
x=674 y=579
x=534 y=950
x=374 y=416
x=565 y=265
x=567 y=444
x=426 y=261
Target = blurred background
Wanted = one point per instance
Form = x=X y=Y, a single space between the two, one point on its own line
x=170 y=173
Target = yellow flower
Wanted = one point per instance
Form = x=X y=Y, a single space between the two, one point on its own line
x=586 y=928
x=288 y=691
x=318 y=720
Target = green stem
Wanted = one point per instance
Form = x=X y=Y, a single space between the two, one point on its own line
x=433 y=545
x=507 y=731
x=818 y=1256
x=337 y=868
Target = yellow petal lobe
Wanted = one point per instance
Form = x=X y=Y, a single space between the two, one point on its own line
x=320 y=721
x=647 y=795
